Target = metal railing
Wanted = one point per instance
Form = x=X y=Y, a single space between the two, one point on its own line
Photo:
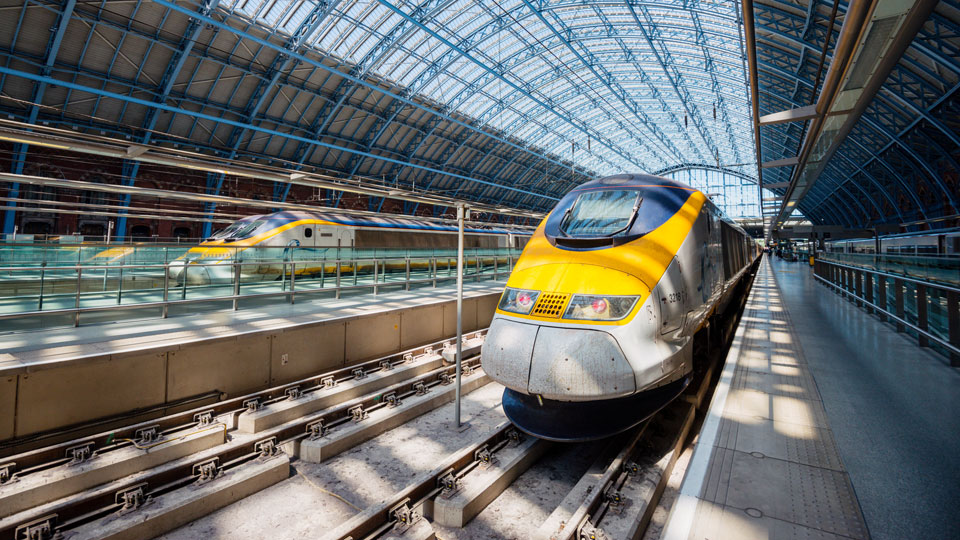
x=87 y=254
x=61 y=295
x=943 y=269
x=929 y=310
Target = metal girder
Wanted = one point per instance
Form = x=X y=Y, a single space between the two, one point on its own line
x=785 y=162
x=20 y=150
x=860 y=163
x=131 y=168
x=666 y=62
x=34 y=77
x=706 y=167
x=332 y=70
x=585 y=60
x=905 y=37
x=857 y=167
x=588 y=60
x=583 y=129
x=791 y=115
x=281 y=64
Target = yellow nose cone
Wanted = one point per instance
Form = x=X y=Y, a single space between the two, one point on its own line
x=578 y=279
x=559 y=282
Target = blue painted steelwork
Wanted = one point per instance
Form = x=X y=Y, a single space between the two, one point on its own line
x=887 y=161
x=132 y=168
x=232 y=123
x=282 y=63
x=511 y=102
x=20 y=150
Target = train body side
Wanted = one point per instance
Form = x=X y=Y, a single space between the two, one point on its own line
x=682 y=272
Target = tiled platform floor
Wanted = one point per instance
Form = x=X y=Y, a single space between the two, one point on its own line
x=773 y=469
x=826 y=424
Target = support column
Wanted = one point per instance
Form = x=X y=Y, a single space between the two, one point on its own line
x=129 y=176
x=898 y=294
x=953 y=324
x=922 y=315
x=882 y=296
x=20 y=151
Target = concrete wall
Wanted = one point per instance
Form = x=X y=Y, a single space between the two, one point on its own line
x=71 y=393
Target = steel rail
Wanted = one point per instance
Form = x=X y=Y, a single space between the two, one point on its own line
x=591 y=510
x=404 y=508
x=305 y=386
x=91 y=505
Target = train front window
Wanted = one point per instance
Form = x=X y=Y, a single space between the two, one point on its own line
x=241 y=229
x=601 y=213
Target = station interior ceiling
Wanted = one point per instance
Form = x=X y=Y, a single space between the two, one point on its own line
x=847 y=114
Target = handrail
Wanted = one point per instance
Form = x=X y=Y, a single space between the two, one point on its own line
x=288 y=281
x=945 y=344
x=196 y=264
x=858 y=283
x=933 y=284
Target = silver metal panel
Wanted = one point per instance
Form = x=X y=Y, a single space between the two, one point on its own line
x=507 y=352
x=587 y=364
x=673 y=301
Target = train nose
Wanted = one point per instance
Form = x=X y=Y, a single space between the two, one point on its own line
x=559 y=363
x=194 y=274
x=175 y=270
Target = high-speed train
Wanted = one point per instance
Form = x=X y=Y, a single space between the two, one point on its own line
x=594 y=331
x=265 y=242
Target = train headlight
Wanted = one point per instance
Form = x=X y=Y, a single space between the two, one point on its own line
x=518 y=301
x=599 y=308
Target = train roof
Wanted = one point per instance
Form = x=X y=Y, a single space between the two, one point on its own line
x=633 y=180
x=640 y=180
x=385 y=221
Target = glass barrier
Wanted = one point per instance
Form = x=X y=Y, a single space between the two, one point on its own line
x=944 y=270
x=83 y=283
x=924 y=308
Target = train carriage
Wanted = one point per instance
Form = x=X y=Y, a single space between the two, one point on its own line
x=313 y=240
x=594 y=331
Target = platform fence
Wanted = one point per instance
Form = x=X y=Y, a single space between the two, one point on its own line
x=53 y=292
x=927 y=310
x=943 y=269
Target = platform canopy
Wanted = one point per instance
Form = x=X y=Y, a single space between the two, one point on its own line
x=509 y=102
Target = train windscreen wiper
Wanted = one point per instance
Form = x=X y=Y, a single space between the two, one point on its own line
x=598 y=207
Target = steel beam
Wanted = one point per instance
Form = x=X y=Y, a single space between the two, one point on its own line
x=20 y=150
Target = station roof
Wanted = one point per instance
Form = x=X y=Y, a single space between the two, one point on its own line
x=510 y=102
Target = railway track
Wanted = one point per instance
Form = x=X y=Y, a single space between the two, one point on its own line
x=614 y=498
x=91 y=486
x=147 y=479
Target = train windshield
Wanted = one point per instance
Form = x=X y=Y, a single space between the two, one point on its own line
x=601 y=213
x=238 y=230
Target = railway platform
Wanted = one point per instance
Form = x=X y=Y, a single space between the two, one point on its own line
x=826 y=423
x=150 y=367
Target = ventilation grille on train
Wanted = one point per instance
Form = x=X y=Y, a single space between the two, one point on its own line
x=550 y=304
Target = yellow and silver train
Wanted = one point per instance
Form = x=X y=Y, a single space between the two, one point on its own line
x=264 y=243
x=594 y=332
